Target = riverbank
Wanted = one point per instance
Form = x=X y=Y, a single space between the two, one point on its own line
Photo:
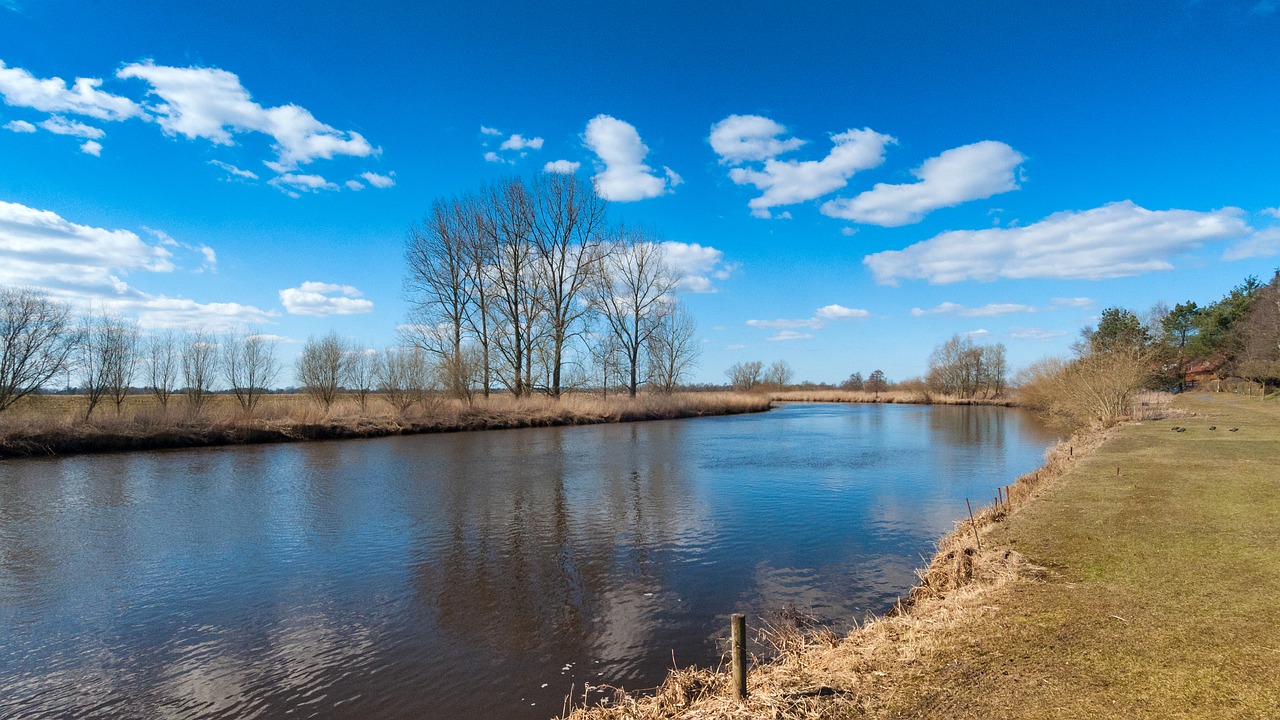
x=48 y=425
x=1134 y=575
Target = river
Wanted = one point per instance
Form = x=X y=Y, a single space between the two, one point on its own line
x=470 y=575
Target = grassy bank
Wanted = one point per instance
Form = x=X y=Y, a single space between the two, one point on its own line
x=52 y=425
x=1151 y=592
x=909 y=397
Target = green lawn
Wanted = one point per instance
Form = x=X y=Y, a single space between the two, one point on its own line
x=1163 y=597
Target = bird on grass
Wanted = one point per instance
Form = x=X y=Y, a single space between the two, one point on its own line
x=1233 y=429
x=1213 y=427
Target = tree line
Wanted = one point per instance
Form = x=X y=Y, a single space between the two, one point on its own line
x=527 y=285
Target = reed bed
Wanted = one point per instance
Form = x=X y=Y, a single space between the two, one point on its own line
x=807 y=672
x=54 y=425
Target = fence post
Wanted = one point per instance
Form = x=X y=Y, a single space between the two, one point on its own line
x=738 y=650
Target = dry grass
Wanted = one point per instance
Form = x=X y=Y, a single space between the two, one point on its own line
x=909 y=397
x=1151 y=591
x=54 y=425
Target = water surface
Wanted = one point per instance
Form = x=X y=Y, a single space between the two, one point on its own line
x=472 y=575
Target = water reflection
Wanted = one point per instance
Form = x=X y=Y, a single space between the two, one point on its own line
x=468 y=575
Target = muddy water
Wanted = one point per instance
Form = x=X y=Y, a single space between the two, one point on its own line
x=476 y=575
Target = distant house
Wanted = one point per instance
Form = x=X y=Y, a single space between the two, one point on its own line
x=1200 y=372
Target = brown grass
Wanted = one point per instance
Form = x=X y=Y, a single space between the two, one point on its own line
x=53 y=425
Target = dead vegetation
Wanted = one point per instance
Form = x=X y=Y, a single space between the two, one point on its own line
x=915 y=396
x=54 y=425
x=806 y=671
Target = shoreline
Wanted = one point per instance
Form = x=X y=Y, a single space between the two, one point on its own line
x=161 y=432
x=817 y=674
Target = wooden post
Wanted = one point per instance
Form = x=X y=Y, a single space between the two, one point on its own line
x=973 y=524
x=738 y=649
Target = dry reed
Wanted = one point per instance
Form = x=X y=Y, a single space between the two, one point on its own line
x=53 y=425
x=906 y=397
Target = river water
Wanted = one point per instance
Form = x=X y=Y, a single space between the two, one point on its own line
x=471 y=575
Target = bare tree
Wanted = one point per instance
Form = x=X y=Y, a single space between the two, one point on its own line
x=672 y=350
x=439 y=256
x=631 y=293
x=199 y=368
x=568 y=231
x=249 y=365
x=779 y=374
x=877 y=383
x=745 y=376
x=607 y=362
x=518 y=307
x=108 y=359
x=163 y=365
x=362 y=374
x=404 y=377
x=322 y=366
x=853 y=382
x=38 y=339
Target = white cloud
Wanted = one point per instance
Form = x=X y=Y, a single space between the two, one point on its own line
x=519 y=142
x=970 y=172
x=234 y=171
x=92 y=147
x=355 y=185
x=83 y=264
x=735 y=346
x=208 y=256
x=848 y=231
x=379 y=181
x=696 y=265
x=747 y=138
x=1078 y=302
x=625 y=177
x=1041 y=334
x=485 y=130
x=811 y=323
x=978 y=332
x=789 y=335
x=1116 y=240
x=21 y=89
x=59 y=125
x=1273 y=212
x=211 y=103
x=494 y=157
x=319 y=299
x=289 y=183
x=988 y=310
x=562 y=166
x=793 y=181
x=1264 y=243
x=840 y=312
x=19 y=126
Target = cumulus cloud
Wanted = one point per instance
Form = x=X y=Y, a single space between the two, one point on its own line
x=697 y=266
x=840 y=312
x=92 y=147
x=794 y=181
x=19 y=126
x=379 y=181
x=625 y=177
x=747 y=138
x=52 y=95
x=519 y=142
x=1264 y=243
x=59 y=125
x=211 y=103
x=1116 y=240
x=319 y=299
x=561 y=166
x=82 y=264
x=354 y=185
x=494 y=157
x=234 y=171
x=485 y=130
x=970 y=172
x=988 y=310
x=786 y=335
x=290 y=184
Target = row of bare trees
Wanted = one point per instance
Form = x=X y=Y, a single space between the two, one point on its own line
x=964 y=368
x=526 y=285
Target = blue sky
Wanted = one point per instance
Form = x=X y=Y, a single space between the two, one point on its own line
x=843 y=185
